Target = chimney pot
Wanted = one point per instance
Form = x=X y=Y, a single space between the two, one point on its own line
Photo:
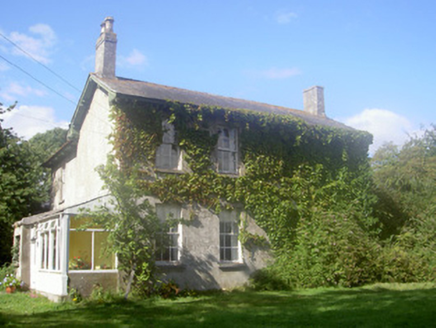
x=105 y=49
x=313 y=99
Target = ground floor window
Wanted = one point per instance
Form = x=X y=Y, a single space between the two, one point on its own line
x=88 y=248
x=230 y=248
x=49 y=245
x=168 y=240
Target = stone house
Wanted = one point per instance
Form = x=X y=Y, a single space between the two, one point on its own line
x=206 y=254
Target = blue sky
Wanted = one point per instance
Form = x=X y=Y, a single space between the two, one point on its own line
x=375 y=59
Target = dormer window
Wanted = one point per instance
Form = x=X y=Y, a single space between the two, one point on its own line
x=168 y=153
x=227 y=150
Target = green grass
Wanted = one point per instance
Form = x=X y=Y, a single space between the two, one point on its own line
x=382 y=305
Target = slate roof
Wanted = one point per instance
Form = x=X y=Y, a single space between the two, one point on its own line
x=152 y=91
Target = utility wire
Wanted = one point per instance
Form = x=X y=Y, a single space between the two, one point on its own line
x=37 y=61
x=39 y=81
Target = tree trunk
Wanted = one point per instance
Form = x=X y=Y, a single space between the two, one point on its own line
x=129 y=282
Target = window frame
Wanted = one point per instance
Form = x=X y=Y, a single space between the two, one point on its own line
x=231 y=217
x=231 y=150
x=49 y=237
x=165 y=159
x=93 y=231
x=163 y=212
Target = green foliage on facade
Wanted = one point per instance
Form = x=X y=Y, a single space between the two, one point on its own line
x=330 y=217
x=132 y=225
x=293 y=175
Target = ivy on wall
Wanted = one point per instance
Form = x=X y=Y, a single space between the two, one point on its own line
x=280 y=158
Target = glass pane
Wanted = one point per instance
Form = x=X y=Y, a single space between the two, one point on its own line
x=228 y=254
x=174 y=240
x=77 y=223
x=169 y=132
x=43 y=250
x=80 y=250
x=103 y=258
x=174 y=254
x=222 y=241
x=54 y=257
x=234 y=254
x=234 y=240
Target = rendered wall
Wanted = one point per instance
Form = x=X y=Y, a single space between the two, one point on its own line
x=200 y=267
x=81 y=181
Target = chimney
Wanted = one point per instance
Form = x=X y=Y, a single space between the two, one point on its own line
x=106 y=49
x=313 y=99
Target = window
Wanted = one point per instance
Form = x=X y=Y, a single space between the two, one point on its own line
x=227 y=150
x=168 y=153
x=88 y=248
x=49 y=236
x=230 y=248
x=168 y=240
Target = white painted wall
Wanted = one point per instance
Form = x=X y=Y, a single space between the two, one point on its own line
x=81 y=181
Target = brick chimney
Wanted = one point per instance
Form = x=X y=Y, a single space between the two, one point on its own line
x=313 y=99
x=106 y=49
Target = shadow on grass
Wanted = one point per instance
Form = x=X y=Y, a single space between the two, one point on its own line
x=316 y=308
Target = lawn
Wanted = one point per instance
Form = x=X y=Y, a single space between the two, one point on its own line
x=382 y=305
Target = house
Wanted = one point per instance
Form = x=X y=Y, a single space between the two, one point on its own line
x=206 y=253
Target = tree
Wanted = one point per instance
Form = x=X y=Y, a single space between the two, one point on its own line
x=43 y=145
x=132 y=225
x=24 y=184
x=408 y=175
x=19 y=194
x=406 y=178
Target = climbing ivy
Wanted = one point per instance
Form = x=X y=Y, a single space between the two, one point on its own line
x=273 y=148
x=291 y=174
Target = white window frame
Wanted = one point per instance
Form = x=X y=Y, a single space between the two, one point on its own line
x=227 y=150
x=229 y=240
x=168 y=156
x=169 y=212
x=93 y=231
x=49 y=236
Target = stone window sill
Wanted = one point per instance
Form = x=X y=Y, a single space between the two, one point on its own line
x=232 y=266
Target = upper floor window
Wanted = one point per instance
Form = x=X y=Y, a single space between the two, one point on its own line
x=230 y=247
x=227 y=150
x=168 y=153
x=168 y=240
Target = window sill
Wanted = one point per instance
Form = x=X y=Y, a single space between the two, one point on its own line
x=50 y=271
x=93 y=271
x=230 y=174
x=169 y=171
x=232 y=266
x=176 y=265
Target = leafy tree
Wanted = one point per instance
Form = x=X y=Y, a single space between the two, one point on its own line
x=132 y=225
x=19 y=195
x=24 y=184
x=406 y=178
x=43 y=145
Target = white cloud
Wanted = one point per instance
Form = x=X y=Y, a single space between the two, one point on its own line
x=15 y=89
x=30 y=120
x=275 y=73
x=285 y=17
x=39 y=43
x=134 y=59
x=384 y=125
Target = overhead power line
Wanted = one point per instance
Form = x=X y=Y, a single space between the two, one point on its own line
x=37 y=61
x=39 y=81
